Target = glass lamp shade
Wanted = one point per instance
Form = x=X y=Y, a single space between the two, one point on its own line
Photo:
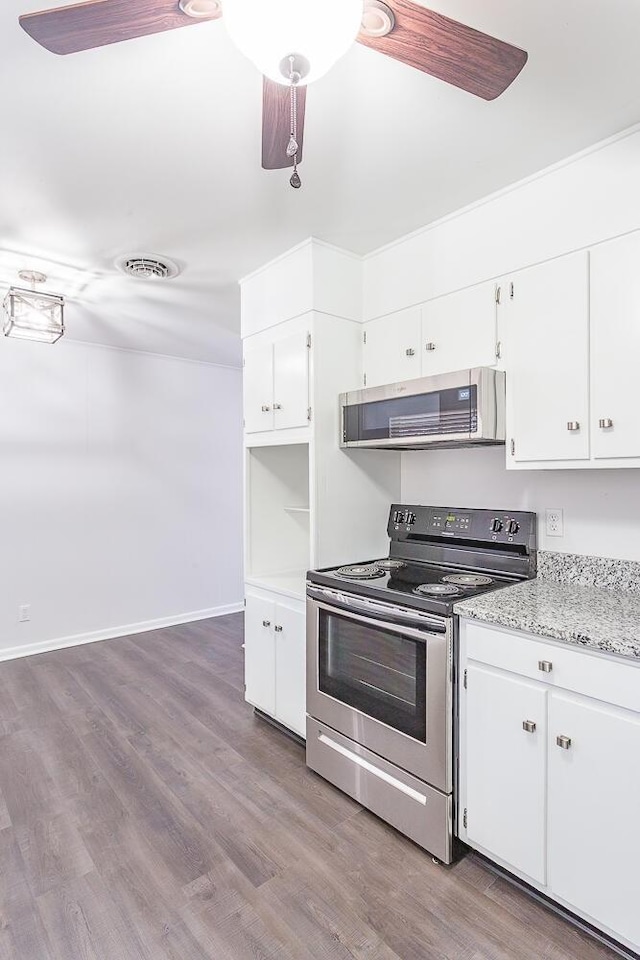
x=29 y=315
x=270 y=31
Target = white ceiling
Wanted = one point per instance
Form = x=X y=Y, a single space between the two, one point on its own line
x=154 y=145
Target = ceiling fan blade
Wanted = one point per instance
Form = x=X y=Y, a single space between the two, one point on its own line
x=449 y=50
x=276 y=124
x=97 y=23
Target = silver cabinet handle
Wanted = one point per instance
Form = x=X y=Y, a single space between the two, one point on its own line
x=277 y=629
x=265 y=408
x=564 y=742
x=266 y=623
x=529 y=726
x=277 y=406
x=430 y=346
x=545 y=665
x=573 y=425
x=605 y=424
x=410 y=352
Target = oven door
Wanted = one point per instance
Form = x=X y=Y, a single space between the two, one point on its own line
x=381 y=675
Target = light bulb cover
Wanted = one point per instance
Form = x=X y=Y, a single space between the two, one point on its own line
x=270 y=31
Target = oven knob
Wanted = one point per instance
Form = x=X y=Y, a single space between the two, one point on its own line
x=496 y=525
x=513 y=527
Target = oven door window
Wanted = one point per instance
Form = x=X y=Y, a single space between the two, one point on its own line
x=375 y=670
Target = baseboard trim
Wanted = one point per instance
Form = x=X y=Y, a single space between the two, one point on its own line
x=45 y=646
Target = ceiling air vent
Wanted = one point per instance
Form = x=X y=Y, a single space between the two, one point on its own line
x=148 y=267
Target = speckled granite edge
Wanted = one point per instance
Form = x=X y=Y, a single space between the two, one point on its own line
x=584 y=616
x=604 y=572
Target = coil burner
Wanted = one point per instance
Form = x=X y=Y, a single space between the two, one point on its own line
x=437 y=590
x=361 y=571
x=467 y=579
x=390 y=564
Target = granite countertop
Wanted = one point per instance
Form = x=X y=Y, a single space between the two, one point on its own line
x=576 y=611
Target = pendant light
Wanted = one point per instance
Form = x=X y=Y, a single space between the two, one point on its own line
x=33 y=314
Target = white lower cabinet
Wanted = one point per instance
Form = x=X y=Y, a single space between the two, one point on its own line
x=550 y=770
x=594 y=802
x=507 y=800
x=275 y=657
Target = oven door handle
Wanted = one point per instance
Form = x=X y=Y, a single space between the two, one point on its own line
x=383 y=615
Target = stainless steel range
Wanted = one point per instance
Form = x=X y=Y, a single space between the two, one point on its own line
x=381 y=660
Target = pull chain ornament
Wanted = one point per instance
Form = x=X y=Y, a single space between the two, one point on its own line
x=292 y=146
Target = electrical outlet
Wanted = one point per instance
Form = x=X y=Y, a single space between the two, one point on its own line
x=555 y=522
x=24 y=612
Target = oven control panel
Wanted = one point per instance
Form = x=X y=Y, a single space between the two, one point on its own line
x=426 y=524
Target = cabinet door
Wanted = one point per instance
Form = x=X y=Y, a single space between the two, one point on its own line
x=615 y=347
x=505 y=767
x=459 y=331
x=548 y=362
x=291 y=381
x=258 y=387
x=291 y=667
x=594 y=799
x=392 y=348
x=259 y=654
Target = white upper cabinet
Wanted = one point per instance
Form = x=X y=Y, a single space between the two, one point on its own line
x=258 y=387
x=545 y=344
x=276 y=379
x=291 y=381
x=615 y=347
x=444 y=335
x=459 y=331
x=392 y=348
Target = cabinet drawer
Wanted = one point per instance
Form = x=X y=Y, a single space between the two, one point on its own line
x=558 y=665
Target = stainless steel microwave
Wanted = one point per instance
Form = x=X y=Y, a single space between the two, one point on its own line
x=451 y=410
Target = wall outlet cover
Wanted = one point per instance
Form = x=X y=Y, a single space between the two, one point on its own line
x=555 y=522
x=24 y=612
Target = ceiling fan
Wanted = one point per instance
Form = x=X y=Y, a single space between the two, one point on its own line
x=293 y=42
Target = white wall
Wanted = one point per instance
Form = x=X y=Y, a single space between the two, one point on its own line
x=583 y=201
x=120 y=491
x=601 y=507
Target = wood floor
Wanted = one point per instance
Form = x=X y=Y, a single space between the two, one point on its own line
x=145 y=813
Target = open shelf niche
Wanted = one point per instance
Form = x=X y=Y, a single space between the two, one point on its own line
x=278 y=541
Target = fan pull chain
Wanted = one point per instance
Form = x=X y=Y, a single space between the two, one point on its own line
x=292 y=146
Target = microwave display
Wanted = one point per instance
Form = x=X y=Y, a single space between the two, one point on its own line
x=444 y=412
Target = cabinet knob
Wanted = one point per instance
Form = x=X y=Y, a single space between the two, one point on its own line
x=573 y=425
x=278 y=629
x=564 y=742
x=266 y=623
x=265 y=408
x=605 y=424
x=277 y=406
x=545 y=665
x=410 y=352
x=529 y=726
x=430 y=346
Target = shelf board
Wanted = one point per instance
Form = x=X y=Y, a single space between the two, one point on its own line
x=298 y=509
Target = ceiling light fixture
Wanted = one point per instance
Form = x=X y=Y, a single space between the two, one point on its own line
x=269 y=32
x=31 y=314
